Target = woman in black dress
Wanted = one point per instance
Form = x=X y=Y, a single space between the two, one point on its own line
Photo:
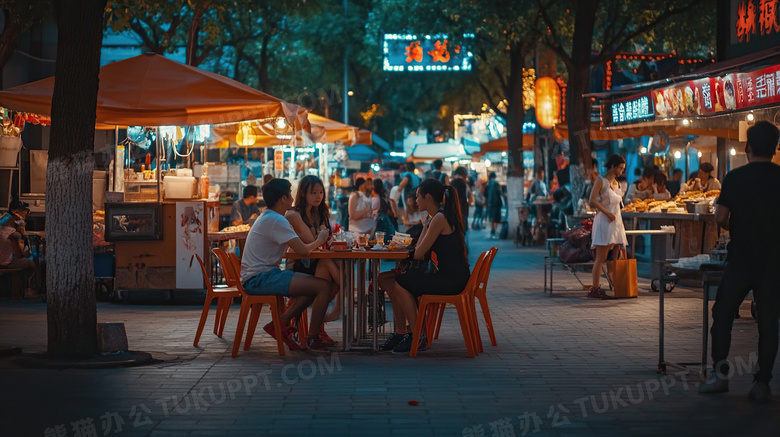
x=443 y=234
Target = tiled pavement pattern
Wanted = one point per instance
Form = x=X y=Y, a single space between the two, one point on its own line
x=564 y=366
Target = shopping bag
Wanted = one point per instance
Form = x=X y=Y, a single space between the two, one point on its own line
x=624 y=276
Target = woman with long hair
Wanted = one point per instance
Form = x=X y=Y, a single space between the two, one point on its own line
x=608 y=231
x=444 y=234
x=310 y=214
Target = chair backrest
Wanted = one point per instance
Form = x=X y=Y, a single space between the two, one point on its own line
x=235 y=262
x=471 y=286
x=232 y=277
x=206 y=279
x=483 y=279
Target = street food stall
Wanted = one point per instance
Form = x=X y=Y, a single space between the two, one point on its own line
x=159 y=216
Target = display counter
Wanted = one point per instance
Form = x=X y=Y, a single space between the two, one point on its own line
x=695 y=234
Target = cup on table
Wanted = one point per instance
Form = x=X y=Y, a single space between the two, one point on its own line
x=380 y=238
x=362 y=239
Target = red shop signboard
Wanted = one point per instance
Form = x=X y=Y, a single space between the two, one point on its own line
x=714 y=95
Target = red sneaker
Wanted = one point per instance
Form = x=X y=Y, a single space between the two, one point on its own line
x=289 y=336
x=325 y=338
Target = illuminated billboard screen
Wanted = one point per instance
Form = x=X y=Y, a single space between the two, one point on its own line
x=424 y=53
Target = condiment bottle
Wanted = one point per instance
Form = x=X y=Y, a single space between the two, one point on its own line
x=204 y=181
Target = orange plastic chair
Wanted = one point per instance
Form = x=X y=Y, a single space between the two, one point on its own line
x=464 y=304
x=250 y=302
x=481 y=295
x=224 y=297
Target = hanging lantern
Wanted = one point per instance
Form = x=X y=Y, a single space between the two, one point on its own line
x=548 y=102
x=246 y=135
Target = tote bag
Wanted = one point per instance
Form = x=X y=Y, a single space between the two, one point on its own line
x=624 y=277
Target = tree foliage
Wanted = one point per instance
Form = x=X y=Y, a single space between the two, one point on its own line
x=18 y=17
x=586 y=33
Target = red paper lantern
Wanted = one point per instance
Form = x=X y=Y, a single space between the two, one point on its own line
x=548 y=102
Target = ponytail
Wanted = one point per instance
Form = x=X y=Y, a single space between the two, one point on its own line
x=449 y=205
x=451 y=208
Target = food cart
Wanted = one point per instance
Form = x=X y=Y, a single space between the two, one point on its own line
x=159 y=216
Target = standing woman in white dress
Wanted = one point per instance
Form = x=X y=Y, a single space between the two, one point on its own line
x=608 y=231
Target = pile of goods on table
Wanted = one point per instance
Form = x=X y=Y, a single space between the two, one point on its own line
x=680 y=203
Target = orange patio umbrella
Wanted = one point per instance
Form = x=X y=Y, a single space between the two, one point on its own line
x=151 y=90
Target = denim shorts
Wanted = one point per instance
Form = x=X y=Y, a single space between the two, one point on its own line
x=274 y=282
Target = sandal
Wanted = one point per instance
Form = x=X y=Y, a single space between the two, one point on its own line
x=597 y=293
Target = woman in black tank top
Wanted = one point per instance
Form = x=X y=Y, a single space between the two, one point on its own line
x=442 y=234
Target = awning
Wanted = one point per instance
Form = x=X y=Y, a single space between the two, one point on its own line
x=378 y=141
x=433 y=151
x=647 y=129
x=325 y=130
x=151 y=90
x=365 y=136
x=502 y=145
x=361 y=153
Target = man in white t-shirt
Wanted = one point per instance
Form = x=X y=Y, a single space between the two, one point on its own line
x=266 y=244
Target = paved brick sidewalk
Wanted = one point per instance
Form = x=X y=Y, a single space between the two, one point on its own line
x=564 y=366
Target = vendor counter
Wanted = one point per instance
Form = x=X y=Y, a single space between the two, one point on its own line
x=155 y=243
x=695 y=234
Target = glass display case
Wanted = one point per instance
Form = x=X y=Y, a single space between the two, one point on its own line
x=133 y=222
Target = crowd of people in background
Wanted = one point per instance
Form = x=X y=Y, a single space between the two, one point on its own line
x=391 y=205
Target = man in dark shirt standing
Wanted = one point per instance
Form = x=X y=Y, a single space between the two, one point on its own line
x=748 y=208
x=494 y=203
x=465 y=197
x=245 y=211
x=438 y=174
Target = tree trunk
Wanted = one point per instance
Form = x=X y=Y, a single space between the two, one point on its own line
x=514 y=136
x=192 y=37
x=578 y=122
x=12 y=30
x=262 y=72
x=578 y=113
x=71 y=311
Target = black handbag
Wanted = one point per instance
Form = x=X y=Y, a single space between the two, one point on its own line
x=418 y=266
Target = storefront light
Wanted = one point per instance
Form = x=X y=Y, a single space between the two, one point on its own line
x=503 y=154
x=281 y=123
x=686 y=122
x=750 y=117
x=677 y=154
x=643 y=150
x=375 y=167
x=699 y=154
x=733 y=151
x=487 y=163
